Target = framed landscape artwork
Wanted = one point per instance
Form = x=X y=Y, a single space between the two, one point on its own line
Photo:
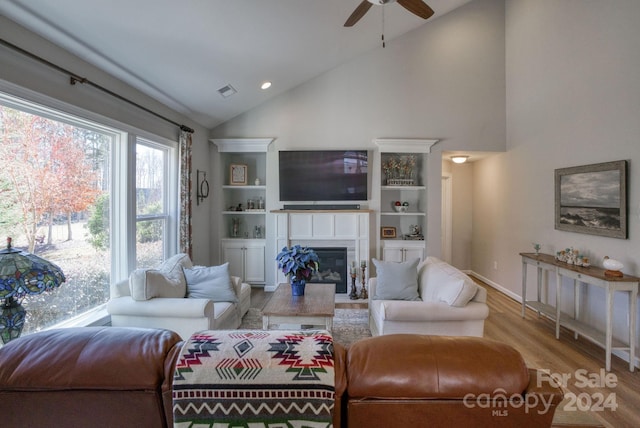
x=592 y=199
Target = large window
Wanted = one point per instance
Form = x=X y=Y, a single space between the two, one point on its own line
x=153 y=193
x=64 y=195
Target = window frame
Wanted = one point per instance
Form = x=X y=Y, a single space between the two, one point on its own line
x=122 y=180
x=169 y=197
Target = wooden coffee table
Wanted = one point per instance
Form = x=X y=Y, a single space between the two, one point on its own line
x=316 y=307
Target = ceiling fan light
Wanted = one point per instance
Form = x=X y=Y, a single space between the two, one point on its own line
x=459 y=158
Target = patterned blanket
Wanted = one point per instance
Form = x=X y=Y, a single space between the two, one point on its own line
x=255 y=379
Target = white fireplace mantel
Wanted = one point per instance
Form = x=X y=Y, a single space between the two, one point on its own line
x=321 y=228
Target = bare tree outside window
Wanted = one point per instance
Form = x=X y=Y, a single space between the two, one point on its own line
x=53 y=178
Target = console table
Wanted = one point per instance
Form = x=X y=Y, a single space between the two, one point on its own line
x=589 y=275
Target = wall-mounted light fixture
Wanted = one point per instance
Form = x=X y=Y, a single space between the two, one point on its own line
x=202 y=189
x=459 y=158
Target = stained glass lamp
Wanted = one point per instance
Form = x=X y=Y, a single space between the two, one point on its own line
x=21 y=274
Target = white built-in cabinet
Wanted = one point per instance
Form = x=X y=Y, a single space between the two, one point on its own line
x=402 y=251
x=243 y=216
x=246 y=259
x=402 y=167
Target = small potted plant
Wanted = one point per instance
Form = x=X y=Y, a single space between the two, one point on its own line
x=298 y=263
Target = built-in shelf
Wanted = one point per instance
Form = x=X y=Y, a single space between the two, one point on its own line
x=407 y=213
x=403 y=187
x=244 y=212
x=407 y=184
x=243 y=242
x=247 y=187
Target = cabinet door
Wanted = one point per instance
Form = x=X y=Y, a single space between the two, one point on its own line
x=413 y=253
x=234 y=254
x=254 y=263
x=392 y=254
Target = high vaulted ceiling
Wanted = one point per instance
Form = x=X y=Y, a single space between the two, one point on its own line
x=182 y=52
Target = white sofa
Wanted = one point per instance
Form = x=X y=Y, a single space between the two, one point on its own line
x=161 y=303
x=449 y=303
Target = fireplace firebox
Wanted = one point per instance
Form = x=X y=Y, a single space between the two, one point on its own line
x=333 y=267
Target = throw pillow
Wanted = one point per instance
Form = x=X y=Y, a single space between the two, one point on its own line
x=213 y=283
x=165 y=281
x=439 y=281
x=396 y=281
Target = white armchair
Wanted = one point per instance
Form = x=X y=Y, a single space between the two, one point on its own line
x=185 y=315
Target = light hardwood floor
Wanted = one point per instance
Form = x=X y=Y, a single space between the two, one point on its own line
x=534 y=338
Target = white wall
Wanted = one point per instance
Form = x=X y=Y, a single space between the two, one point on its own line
x=573 y=98
x=444 y=80
x=462 y=214
x=18 y=70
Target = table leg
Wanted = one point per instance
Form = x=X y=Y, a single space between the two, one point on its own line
x=558 y=292
x=539 y=298
x=609 y=331
x=265 y=322
x=633 y=298
x=576 y=304
x=524 y=287
x=329 y=324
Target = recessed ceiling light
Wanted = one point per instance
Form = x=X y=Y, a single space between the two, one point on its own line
x=265 y=85
x=459 y=158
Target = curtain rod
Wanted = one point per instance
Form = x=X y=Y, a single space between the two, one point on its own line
x=74 y=78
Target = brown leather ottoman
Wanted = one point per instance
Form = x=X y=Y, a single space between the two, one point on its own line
x=416 y=380
x=88 y=377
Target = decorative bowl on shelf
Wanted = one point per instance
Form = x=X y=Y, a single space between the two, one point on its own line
x=400 y=208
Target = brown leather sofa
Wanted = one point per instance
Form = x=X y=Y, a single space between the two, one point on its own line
x=121 y=377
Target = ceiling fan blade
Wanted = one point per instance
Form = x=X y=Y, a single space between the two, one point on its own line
x=417 y=7
x=358 y=13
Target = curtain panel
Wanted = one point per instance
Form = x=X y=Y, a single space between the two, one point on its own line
x=185 y=232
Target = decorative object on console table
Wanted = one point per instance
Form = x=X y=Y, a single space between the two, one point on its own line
x=592 y=199
x=22 y=274
x=238 y=175
x=537 y=247
x=613 y=267
x=298 y=264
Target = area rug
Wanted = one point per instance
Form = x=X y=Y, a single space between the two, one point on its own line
x=349 y=325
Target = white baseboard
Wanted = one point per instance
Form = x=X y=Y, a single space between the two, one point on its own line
x=621 y=354
x=497 y=286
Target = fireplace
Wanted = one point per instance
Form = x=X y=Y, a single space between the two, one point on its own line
x=333 y=267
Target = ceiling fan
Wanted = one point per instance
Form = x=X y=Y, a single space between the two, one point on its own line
x=417 y=7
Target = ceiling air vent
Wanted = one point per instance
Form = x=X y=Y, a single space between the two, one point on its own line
x=227 y=91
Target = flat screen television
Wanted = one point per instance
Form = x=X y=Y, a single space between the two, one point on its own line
x=323 y=175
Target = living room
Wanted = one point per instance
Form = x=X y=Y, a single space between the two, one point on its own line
x=540 y=85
